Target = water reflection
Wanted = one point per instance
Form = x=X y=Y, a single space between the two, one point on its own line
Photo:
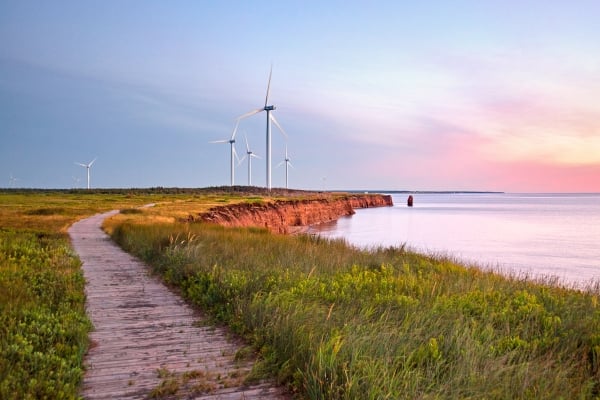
x=535 y=234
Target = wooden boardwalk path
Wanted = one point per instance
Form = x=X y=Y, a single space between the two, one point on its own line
x=147 y=342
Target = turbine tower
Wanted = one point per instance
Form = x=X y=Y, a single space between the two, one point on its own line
x=249 y=155
x=87 y=166
x=287 y=162
x=270 y=117
x=233 y=152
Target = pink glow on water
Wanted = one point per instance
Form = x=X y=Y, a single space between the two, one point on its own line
x=547 y=235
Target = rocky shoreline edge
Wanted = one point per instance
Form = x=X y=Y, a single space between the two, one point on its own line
x=291 y=216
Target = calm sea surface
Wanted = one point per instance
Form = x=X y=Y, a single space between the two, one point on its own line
x=536 y=234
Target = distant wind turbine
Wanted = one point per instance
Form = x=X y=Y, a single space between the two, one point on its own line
x=76 y=180
x=233 y=152
x=12 y=180
x=287 y=162
x=87 y=166
x=270 y=117
x=249 y=154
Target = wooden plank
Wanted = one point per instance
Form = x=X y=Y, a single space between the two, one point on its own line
x=146 y=336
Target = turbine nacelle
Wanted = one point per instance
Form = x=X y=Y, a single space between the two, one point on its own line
x=269 y=108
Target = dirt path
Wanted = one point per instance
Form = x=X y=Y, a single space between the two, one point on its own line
x=146 y=341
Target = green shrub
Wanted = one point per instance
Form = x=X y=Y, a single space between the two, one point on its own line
x=131 y=211
x=46 y=211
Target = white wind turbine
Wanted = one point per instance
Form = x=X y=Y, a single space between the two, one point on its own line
x=233 y=152
x=249 y=154
x=270 y=117
x=287 y=162
x=12 y=181
x=87 y=166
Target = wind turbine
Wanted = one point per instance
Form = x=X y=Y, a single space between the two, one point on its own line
x=87 y=166
x=12 y=181
x=270 y=117
x=287 y=162
x=233 y=152
x=249 y=155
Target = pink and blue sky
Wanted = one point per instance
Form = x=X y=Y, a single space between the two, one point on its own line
x=384 y=95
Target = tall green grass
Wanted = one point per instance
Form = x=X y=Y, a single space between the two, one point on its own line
x=43 y=326
x=335 y=322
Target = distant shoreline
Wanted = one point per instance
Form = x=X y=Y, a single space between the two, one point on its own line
x=424 y=191
x=255 y=190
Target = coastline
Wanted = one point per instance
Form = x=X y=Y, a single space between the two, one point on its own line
x=291 y=216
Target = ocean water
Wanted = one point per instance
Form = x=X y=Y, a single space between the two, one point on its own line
x=539 y=235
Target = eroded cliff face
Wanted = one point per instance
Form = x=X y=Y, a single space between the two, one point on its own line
x=288 y=216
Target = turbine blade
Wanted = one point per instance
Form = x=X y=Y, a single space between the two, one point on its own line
x=237 y=123
x=93 y=161
x=241 y=161
x=255 y=156
x=280 y=164
x=247 y=145
x=250 y=113
x=269 y=86
x=83 y=165
x=219 y=141
x=290 y=164
x=277 y=124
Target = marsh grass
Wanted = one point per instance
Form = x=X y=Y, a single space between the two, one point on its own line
x=43 y=326
x=336 y=322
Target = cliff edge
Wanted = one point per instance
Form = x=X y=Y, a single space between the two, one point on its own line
x=289 y=216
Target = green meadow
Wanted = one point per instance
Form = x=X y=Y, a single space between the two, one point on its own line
x=327 y=320
x=43 y=326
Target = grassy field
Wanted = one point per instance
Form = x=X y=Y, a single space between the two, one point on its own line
x=327 y=319
x=43 y=326
x=335 y=322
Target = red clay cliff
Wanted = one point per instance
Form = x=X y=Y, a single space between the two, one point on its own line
x=287 y=216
